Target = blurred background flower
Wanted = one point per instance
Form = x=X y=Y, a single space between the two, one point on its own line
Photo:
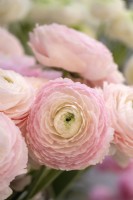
x=13 y=10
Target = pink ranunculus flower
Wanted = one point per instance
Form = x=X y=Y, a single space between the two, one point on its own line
x=111 y=165
x=26 y=66
x=13 y=154
x=16 y=95
x=119 y=102
x=114 y=77
x=9 y=44
x=68 y=126
x=101 y=192
x=62 y=47
x=125 y=185
x=51 y=74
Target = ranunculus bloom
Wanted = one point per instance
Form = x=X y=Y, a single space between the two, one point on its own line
x=107 y=10
x=11 y=11
x=114 y=77
x=101 y=192
x=62 y=47
x=13 y=154
x=9 y=44
x=22 y=64
x=71 y=13
x=26 y=66
x=126 y=184
x=109 y=164
x=121 y=28
x=119 y=101
x=68 y=126
x=16 y=95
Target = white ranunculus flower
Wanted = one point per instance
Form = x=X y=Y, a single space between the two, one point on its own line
x=70 y=14
x=16 y=94
x=106 y=10
x=13 y=10
x=121 y=28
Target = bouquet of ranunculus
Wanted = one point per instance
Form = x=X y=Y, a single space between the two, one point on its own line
x=62 y=111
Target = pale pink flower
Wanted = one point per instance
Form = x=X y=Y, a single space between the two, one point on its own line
x=58 y=46
x=16 y=95
x=26 y=66
x=111 y=165
x=68 y=126
x=119 y=101
x=126 y=185
x=51 y=74
x=13 y=154
x=9 y=44
x=101 y=192
x=114 y=77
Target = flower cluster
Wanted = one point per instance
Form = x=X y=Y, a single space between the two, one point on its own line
x=67 y=123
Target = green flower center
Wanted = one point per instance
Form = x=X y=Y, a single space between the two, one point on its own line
x=8 y=79
x=68 y=121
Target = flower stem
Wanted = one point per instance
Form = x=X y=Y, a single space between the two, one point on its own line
x=41 y=181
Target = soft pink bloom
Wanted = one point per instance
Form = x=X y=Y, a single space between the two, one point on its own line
x=13 y=154
x=26 y=66
x=21 y=64
x=16 y=95
x=114 y=77
x=101 y=192
x=126 y=185
x=51 y=74
x=71 y=129
x=111 y=165
x=59 y=46
x=9 y=44
x=119 y=102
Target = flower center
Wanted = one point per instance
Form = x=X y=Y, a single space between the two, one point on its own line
x=7 y=79
x=68 y=121
x=69 y=117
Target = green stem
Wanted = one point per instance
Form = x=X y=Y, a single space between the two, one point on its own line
x=64 y=182
x=43 y=179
